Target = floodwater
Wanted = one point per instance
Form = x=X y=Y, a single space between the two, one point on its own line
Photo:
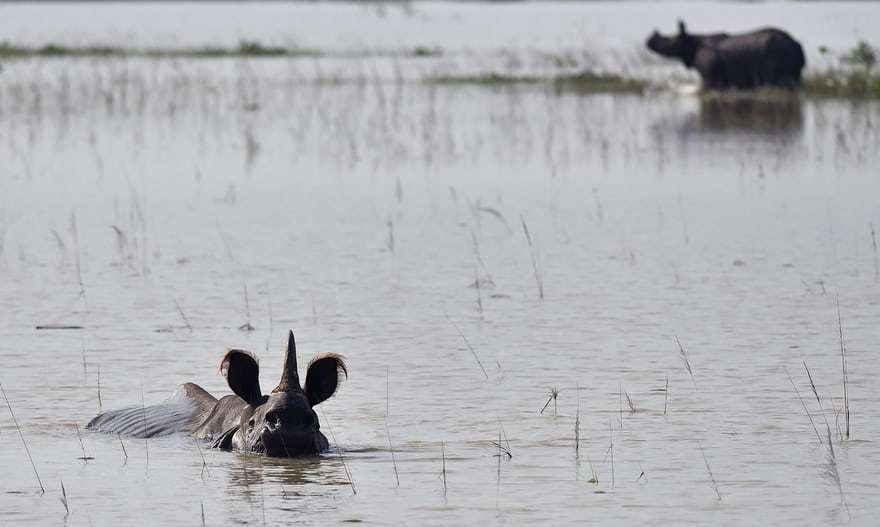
x=162 y=204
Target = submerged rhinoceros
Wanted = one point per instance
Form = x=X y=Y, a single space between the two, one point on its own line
x=766 y=57
x=281 y=424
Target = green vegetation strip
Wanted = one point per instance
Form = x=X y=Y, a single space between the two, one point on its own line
x=585 y=82
x=856 y=78
x=845 y=84
x=245 y=48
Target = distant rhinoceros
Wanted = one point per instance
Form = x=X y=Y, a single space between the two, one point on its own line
x=281 y=424
x=766 y=57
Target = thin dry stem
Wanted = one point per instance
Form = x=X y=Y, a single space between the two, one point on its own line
x=843 y=366
x=686 y=359
x=709 y=470
x=666 y=395
x=23 y=442
x=443 y=454
x=471 y=348
x=793 y=385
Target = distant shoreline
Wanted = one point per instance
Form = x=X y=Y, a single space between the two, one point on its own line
x=852 y=83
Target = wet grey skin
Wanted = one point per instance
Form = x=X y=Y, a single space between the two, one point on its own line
x=281 y=424
x=766 y=57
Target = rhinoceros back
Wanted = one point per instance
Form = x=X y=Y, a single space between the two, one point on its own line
x=182 y=412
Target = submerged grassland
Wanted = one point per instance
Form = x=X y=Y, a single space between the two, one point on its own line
x=853 y=75
x=554 y=276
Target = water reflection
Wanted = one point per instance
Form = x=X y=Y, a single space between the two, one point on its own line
x=252 y=471
x=751 y=113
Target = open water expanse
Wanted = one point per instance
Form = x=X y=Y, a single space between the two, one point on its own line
x=470 y=249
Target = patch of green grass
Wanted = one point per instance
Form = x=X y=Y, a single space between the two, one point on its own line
x=425 y=52
x=245 y=48
x=583 y=82
x=11 y=51
x=858 y=84
x=486 y=79
x=252 y=48
x=590 y=82
x=856 y=78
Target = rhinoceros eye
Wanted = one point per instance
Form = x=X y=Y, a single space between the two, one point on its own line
x=251 y=423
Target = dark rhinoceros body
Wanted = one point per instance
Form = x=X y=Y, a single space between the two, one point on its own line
x=282 y=423
x=766 y=57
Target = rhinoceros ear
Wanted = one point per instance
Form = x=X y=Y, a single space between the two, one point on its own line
x=682 y=29
x=243 y=375
x=322 y=377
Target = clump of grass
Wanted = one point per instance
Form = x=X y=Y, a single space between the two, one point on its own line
x=245 y=48
x=793 y=385
x=502 y=450
x=486 y=79
x=425 y=52
x=836 y=83
x=857 y=78
x=592 y=82
x=253 y=48
x=832 y=472
x=12 y=51
x=585 y=81
x=863 y=55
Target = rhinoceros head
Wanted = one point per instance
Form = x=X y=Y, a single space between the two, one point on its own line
x=680 y=46
x=283 y=423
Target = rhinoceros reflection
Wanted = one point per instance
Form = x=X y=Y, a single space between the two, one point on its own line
x=291 y=475
x=281 y=424
x=759 y=113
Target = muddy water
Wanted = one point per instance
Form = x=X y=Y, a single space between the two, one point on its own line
x=162 y=205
